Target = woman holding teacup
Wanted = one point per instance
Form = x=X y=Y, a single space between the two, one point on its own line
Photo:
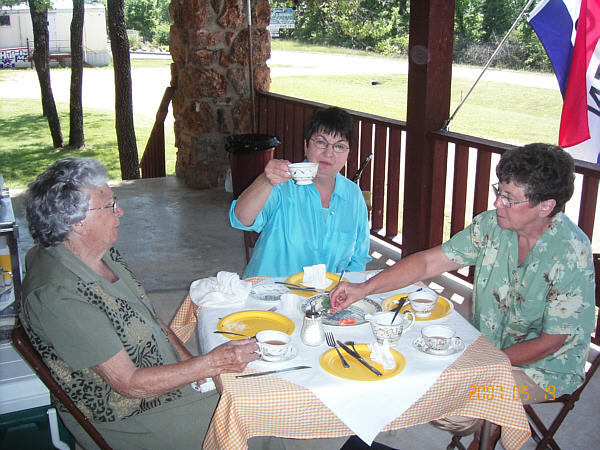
x=533 y=285
x=324 y=222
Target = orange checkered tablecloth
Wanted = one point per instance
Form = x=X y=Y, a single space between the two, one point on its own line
x=272 y=406
x=185 y=320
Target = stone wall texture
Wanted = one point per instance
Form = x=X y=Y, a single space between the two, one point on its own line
x=210 y=74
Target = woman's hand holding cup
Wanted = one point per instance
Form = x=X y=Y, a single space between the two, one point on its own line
x=277 y=171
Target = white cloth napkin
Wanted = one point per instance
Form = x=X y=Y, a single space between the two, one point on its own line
x=316 y=277
x=381 y=354
x=226 y=289
x=208 y=385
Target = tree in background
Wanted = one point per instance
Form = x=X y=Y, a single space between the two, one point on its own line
x=382 y=26
x=140 y=15
x=41 y=59
x=497 y=16
x=76 y=135
x=128 y=154
x=376 y=25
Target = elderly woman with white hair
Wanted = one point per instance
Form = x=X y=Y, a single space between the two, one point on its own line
x=94 y=326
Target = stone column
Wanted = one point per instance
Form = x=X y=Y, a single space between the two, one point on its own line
x=210 y=50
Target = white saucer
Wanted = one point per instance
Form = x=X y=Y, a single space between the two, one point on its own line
x=419 y=344
x=303 y=181
x=291 y=355
x=268 y=292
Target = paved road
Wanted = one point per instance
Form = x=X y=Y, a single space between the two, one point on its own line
x=149 y=84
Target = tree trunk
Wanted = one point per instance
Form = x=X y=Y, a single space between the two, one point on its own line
x=119 y=45
x=41 y=59
x=76 y=137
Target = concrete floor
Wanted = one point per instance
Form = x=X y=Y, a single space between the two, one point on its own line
x=172 y=235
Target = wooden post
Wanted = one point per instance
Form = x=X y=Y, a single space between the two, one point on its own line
x=428 y=106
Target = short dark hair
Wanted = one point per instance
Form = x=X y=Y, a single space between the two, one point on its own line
x=544 y=172
x=55 y=201
x=331 y=120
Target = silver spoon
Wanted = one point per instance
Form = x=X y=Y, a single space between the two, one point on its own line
x=231 y=332
x=351 y=344
x=398 y=308
x=338 y=281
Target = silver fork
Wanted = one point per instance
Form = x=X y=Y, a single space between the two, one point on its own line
x=331 y=342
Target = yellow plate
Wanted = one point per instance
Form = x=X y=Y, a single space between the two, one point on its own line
x=330 y=361
x=251 y=322
x=297 y=279
x=442 y=308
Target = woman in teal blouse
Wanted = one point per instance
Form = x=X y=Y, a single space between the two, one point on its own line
x=321 y=223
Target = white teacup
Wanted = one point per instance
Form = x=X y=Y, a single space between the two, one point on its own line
x=304 y=172
x=440 y=338
x=422 y=302
x=274 y=345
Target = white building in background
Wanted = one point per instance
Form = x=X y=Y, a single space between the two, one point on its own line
x=16 y=35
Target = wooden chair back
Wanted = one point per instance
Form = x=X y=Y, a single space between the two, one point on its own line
x=23 y=345
x=250 y=238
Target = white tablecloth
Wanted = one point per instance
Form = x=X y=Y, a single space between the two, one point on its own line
x=366 y=407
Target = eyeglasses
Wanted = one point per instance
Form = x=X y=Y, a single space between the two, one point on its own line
x=322 y=144
x=114 y=205
x=506 y=202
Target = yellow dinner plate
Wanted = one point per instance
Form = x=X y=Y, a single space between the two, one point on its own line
x=297 y=279
x=330 y=361
x=442 y=308
x=251 y=322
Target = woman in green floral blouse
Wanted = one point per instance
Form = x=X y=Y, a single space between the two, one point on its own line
x=533 y=287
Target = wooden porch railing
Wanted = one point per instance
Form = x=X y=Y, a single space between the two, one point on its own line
x=454 y=204
x=285 y=117
x=152 y=163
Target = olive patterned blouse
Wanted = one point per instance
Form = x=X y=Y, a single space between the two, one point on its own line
x=76 y=319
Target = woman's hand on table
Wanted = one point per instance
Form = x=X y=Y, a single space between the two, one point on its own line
x=277 y=171
x=345 y=294
x=232 y=356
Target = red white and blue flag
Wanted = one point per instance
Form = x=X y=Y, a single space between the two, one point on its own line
x=570 y=33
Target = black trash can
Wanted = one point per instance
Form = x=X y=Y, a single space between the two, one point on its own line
x=248 y=156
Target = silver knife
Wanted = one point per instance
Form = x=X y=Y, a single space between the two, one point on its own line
x=360 y=359
x=269 y=372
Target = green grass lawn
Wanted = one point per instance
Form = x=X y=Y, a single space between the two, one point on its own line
x=26 y=146
x=499 y=111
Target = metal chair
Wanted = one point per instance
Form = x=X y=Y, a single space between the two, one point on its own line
x=23 y=345
x=544 y=436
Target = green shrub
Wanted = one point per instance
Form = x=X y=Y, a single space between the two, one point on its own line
x=134 y=43
x=162 y=34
